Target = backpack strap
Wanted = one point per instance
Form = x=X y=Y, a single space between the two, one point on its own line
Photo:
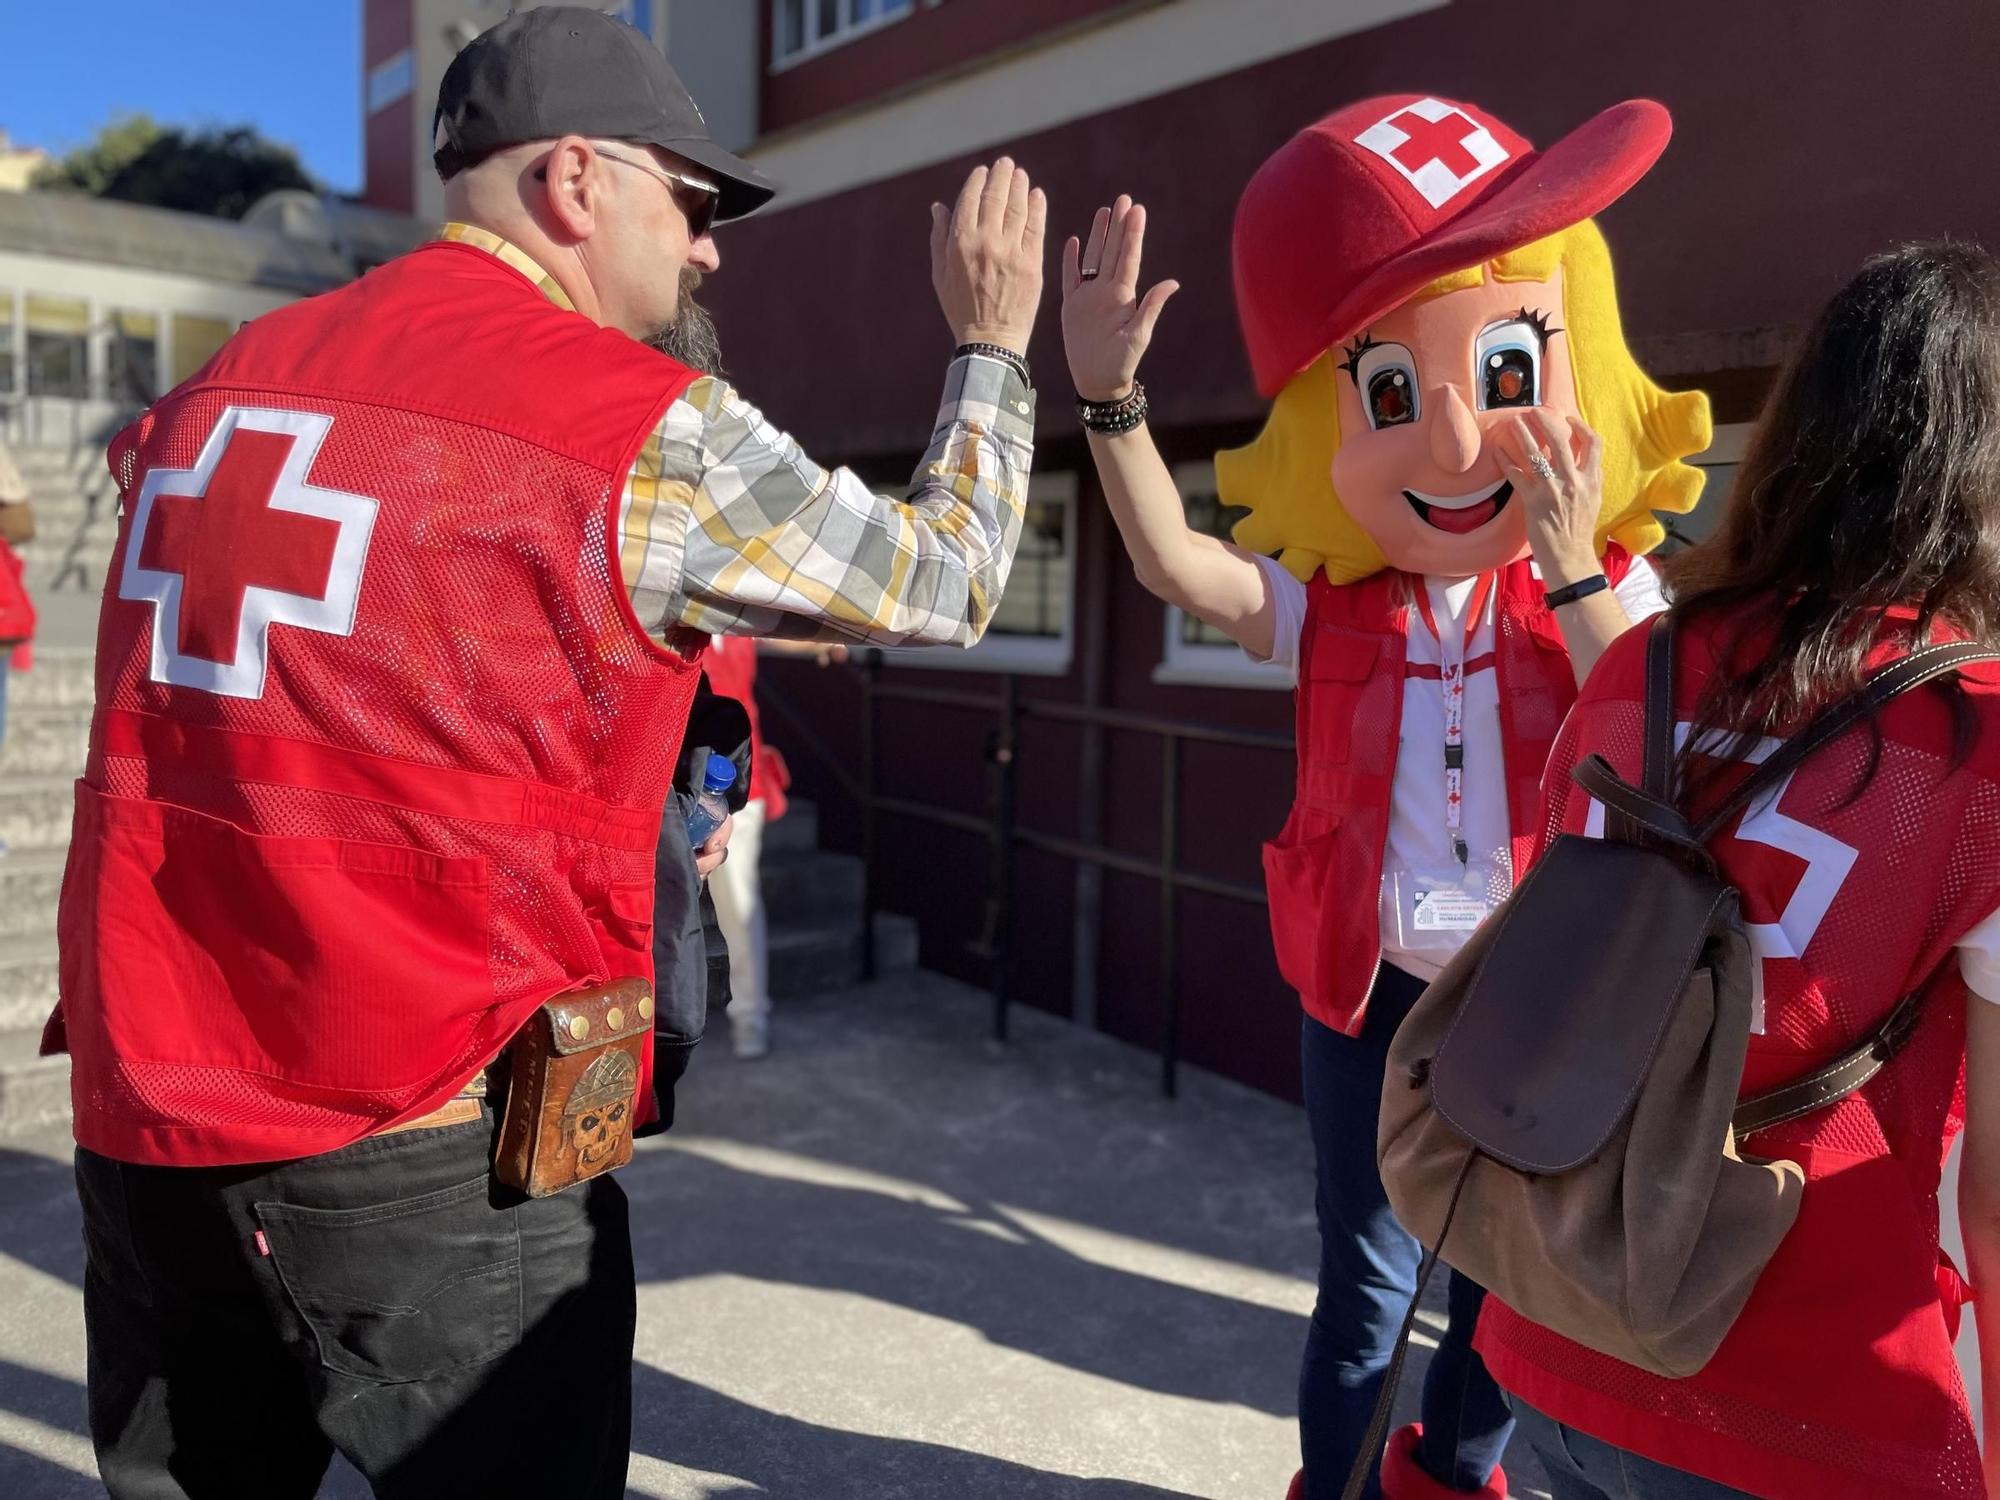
x=1838 y=1078
x=1923 y=665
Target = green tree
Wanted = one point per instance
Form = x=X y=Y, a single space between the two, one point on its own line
x=219 y=171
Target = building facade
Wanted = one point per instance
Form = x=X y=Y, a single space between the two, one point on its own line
x=1779 y=181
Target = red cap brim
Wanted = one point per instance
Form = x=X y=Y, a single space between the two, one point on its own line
x=1578 y=177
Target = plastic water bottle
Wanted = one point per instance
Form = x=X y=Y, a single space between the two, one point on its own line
x=712 y=806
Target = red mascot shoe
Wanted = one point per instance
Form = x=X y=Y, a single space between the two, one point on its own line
x=1298 y=1489
x=1403 y=1478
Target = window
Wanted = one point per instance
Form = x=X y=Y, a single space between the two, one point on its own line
x=800 y=28
x=58 y=346
x=195 y=341
x=1718 y=465
x=391 y=80
x=638 y=13
x=1196 y=653
x=1032 y=629
x=134 y=363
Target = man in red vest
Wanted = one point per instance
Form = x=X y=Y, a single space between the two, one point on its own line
x=398 y=644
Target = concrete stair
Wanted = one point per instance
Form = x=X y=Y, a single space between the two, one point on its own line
x=813 y=897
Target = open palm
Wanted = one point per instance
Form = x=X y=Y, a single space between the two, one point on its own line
x=1106 y=323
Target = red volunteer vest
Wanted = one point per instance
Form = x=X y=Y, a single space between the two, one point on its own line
x=732 y=671
x=17 y=611
x=1838 y=1382
x=380 y=749
x=1323 y=873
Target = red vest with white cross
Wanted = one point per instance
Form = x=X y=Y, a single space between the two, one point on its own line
x=1323 y=872
x=380 y=748
x=1838 y=1381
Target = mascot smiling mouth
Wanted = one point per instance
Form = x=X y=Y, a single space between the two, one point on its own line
x=1459 y=514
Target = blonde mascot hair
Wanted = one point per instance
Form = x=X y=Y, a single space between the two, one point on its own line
x=1285 y=478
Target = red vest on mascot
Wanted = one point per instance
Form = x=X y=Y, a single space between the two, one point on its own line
x=380 y=749
x=1323 y=872
x=1838 y=1382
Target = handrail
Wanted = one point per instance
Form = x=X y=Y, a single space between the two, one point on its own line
x=1003 y=833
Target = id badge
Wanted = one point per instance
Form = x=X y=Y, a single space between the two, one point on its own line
x=1437 y=911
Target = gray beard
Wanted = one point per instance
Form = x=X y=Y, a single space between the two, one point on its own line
x=691 y=338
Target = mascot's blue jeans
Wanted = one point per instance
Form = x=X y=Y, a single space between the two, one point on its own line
x=1367 y=1272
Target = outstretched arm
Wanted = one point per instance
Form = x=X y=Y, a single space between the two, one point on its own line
x=728 y=527
x=1106 y=329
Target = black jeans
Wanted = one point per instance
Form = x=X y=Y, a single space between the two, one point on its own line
x=388 y=1300
x=1367 y=1273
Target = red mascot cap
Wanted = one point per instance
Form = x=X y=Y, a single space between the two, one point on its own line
x=1353 y=215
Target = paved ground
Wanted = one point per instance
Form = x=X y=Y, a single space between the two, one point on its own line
x=887 y=1263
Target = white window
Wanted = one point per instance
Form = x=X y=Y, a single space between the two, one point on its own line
x=801 y=28
x=1717 y=463
x=1200 y=654
x=391 y=80
x=1033 y=630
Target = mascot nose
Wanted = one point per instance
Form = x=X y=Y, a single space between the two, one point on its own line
x=1454 y=431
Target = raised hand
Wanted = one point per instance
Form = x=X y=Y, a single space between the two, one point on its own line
x=1106 y=323
x=986 y=256
x=1557 y=470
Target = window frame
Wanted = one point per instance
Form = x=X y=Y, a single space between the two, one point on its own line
x=1017 y=655
x=814 y=45
x=1210 y=664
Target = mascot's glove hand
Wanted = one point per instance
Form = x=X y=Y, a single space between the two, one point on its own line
x=986 y=257
x=1562 y=495
x=1106 y=323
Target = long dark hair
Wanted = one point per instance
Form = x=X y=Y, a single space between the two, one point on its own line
x=1872 y=480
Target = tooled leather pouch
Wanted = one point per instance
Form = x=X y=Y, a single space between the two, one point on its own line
x=572 y=1092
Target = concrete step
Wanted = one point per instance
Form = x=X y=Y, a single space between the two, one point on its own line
x=35 y=811
x=812 y=889
x=62 y=677
x=28 y=979
x=30 y=885
x=45 y=741
x=797 y=832
x=34 y=1091
x=813 y=960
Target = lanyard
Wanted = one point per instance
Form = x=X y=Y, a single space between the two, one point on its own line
x=1451 y=677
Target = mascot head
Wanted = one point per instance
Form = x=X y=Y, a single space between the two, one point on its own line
x=1409 y=272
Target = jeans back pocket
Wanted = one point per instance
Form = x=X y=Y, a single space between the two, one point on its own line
x=406 y=1290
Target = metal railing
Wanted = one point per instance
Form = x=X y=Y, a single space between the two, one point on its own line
x=1000 y=825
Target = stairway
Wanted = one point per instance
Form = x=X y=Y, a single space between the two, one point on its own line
x=813 y=897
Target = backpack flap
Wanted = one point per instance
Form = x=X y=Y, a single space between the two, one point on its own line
x=1562 y=1017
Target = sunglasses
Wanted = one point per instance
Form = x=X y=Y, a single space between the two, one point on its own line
x=697 y=200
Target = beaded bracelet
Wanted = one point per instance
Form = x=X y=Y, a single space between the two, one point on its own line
x=1001 y=352
x=1113 y=417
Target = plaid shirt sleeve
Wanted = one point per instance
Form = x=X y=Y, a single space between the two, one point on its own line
x=727 y=527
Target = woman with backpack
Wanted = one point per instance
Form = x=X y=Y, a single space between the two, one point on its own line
x=1865 y=521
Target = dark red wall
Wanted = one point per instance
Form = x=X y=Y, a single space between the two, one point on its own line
x=1807 y=137
x=388 y=166
x=929 y=41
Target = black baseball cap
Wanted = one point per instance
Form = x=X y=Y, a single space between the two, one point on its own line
x=564 y=70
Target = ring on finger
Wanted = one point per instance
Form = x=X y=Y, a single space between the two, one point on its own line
x=1090 y=275
x=1539 y=462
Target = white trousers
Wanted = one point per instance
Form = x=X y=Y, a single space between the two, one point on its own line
x=739 y=912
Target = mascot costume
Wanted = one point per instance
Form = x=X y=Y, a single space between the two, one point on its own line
x=1447 y=509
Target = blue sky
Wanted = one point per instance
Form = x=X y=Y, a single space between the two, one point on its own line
x=290 y=67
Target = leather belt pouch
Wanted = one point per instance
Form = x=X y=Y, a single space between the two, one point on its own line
x=574 y=1087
